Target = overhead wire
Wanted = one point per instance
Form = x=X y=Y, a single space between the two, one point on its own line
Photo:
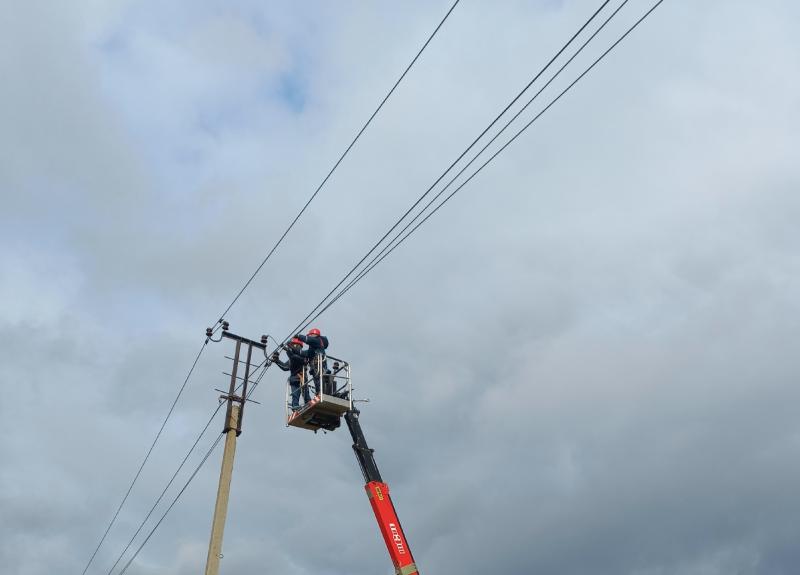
x=147 y=456
x=336 y=164
x=166 y=488
x=453 y=164
x=370 y=267
x=174 y=501
x=530 y=122
x=394 y=243
x=265 y=365
x=218 y=323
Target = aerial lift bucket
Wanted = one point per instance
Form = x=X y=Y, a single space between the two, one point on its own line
x=330 y=392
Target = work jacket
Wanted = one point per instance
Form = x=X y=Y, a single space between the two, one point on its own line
x=317 y=344
x=295 y=364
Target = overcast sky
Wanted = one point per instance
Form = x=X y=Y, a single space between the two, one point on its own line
x=586 y=363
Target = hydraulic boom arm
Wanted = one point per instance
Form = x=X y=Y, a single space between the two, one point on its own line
x=378 y=493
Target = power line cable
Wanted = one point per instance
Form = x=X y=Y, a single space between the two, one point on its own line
x=174 y=501
x=374 y=262
x=172 y=479
x=372 y=265
x=452 y=165
x=218 y=324
x=147 y=456
x=166 y=488
x=527 y=125
x=389 y=247
x=336 y=165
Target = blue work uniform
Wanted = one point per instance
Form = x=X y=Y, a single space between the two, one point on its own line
x=317 y=344
x=296 y=366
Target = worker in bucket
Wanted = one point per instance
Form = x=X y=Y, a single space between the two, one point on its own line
x=317 y=344
x=296 y=366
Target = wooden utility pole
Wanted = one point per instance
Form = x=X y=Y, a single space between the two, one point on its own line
x=223 y=493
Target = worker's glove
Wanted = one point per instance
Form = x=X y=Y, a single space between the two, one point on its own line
x=275 y=356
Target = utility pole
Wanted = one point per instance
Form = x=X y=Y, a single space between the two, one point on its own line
x=223 y=493
x=232 y=430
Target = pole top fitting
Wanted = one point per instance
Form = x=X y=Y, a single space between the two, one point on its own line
x=225 y=326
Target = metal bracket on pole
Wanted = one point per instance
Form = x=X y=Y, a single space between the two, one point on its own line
x=232 y=397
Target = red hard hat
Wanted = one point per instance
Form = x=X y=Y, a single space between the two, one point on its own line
x=295 y=341
x=313 y=331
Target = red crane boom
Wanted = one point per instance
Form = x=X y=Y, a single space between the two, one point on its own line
x=381 y=501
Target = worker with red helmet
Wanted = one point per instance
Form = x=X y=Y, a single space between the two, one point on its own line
x=317 y=344
x=296 y=366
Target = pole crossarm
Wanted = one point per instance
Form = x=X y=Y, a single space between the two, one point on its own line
x=262 y=345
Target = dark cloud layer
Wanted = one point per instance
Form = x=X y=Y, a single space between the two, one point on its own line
x=585 y=364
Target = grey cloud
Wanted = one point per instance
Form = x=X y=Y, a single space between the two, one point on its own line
x=584 y=364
